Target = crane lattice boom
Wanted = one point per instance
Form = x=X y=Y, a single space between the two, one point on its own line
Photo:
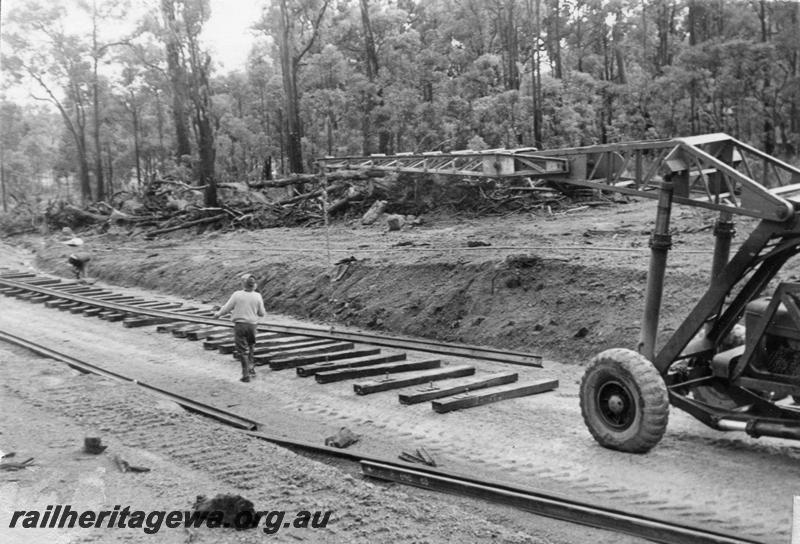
x=713 y=171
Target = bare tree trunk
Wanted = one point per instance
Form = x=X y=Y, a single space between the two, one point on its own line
x=796 y=65
x=558 y=72
x=136 y=141
x=371 y=66
x=110 y=170
x=77 y=129
x=160 y=127
x=177 y=80
x=769 y=127
x=644 y=34
x=201 y=99
x=794 y=114
x=534 y=15
x=579 y=42
x=693 y=85
x=83 y=167
x=3 y=184
x=665 y=25
x=290 y=62
x=207 y=157
x=618 y=53
x=510 y=39
x=98 y=157
x=366 y=124
x=282 y=124
x=329 y=132
x=294 y=148
x=663 y=38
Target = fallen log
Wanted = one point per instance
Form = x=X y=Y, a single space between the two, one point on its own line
x=374 y=212
x=114 y=216
x=306 y=196
x=344 y=201
x=188 y=224
x=298 y=179
x=85 y=214
x=118 y=216
x=182 y=185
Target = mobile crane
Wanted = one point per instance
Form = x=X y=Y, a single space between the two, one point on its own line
x=728 y=380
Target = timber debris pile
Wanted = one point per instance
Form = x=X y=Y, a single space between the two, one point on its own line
x=168 y=205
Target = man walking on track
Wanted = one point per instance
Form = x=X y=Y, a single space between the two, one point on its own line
x=245 y=307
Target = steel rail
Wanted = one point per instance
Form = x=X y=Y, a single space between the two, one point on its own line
x=539 y=502
x=550 y=505
x=442 y=348
x=229 y=418
x=408 y=249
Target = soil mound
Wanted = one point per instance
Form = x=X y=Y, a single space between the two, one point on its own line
x=554 y=306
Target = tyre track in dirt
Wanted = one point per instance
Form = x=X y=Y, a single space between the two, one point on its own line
x=582 y=479
x=583 y=482
x=485 y=441
x=137 y=423
x=121 y=412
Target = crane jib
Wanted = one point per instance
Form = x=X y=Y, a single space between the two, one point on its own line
x=712 y=171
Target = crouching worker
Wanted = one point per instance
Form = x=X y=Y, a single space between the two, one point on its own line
x=245 y=307
x=80 y=265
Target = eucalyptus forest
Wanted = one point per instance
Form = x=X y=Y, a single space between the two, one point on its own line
x=104 y=112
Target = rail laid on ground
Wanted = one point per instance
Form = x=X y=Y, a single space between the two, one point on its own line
x=535 y=501
x=12 y=280
x=326 y=358
x=207 y=410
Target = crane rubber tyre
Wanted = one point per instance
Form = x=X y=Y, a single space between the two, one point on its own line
x=624 y=401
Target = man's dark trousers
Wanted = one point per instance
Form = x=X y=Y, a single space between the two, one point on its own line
x=244 y=336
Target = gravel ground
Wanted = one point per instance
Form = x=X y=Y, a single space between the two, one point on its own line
x=729 y=482
x=189 y=456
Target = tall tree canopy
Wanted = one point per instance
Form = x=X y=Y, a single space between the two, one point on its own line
x=361 y=76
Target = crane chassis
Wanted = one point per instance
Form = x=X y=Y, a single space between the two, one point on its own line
x=736 y=357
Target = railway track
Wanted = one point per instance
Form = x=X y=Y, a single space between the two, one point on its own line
x=435 y=479
x=325 y=355
x=32 y=286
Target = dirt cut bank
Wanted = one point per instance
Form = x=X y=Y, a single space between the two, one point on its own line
x=563 y=289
